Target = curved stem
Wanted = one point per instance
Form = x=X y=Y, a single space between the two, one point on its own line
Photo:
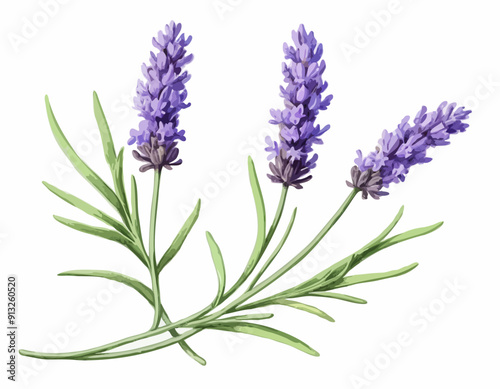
x=275 y=252
x=93 y=352
x=152 y=256
x=232 y=307
x=109 y=346
x=277 y=217
x=120 y=354
x=142 y=350
x=299 y=257
x=269 y=236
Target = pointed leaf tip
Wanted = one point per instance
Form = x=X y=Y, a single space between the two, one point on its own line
x=219 y=268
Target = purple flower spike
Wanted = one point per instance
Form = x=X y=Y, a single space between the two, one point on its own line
x=303 y=102
x=159 y=100
x=406 y=146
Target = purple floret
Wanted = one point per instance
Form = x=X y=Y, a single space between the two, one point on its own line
x=303 y=101
x=408 y=144
x=162 y=96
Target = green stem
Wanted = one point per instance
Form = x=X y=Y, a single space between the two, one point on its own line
x=152 y=256
x=299 y=257
x=269 y=236
x=120 y=354
x=143 y=350
x=228 y=309
x=112 y=345
x=232 y=307
x=277 y=217
x=274 y=253
x=159 y=311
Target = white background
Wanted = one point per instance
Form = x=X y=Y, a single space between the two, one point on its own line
x=425 y=52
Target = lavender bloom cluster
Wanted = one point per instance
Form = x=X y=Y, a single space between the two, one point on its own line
x=303 y=101
x=406 y=146
x=159 y=100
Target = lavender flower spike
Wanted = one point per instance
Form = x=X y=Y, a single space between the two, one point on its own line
x=159 y=100
x=303 y=102
x=406 y=146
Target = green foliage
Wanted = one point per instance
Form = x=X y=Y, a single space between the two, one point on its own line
x=126 y=230
x=219 y=268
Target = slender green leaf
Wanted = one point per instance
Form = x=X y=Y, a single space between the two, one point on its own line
x=219 y=268
x=341 y=271
x=118 y=179
x=406 y=236
x=131 y=282
x=319 y=281
x=268 y=333
x=143 y=290
x=232 y=319
x=275 y=252
x=277 y=216
x=261 y=229
x=254 y=316
x=386 y=232
x=115 y=163
x=371 y=249
x=337 y=267
x=89 y=209
x=304 y=307
x=135 y=207
x=82 y=168
x=102 y=233
x=339 y=296
x=261 y=214
x=361 y=278
x=332 y=277
x=107 y=140
x=180 y=238
x=97 y=231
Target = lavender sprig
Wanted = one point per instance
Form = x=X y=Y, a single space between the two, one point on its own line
x=303 y=101
x=159 y=100
x=406 y=146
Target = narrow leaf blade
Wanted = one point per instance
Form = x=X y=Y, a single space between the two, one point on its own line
x=276 y=250
x=87 y=208
x=180 y=238
x=82 y=168
x=102 y=233
x=361 y=278
x=143 y=290
x=118 y=179
x=131 y=282
x=268 y=333
x=339 y=296
x=407 y=235
x=260 y=240
x=304 y=307
x=107 y=140
x=386 y=232
x=232 y=319
x=134 y=203
x=219 y=267
x=259 y=206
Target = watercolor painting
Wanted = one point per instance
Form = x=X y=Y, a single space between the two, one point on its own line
x=233 y=193
x=160 y=98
